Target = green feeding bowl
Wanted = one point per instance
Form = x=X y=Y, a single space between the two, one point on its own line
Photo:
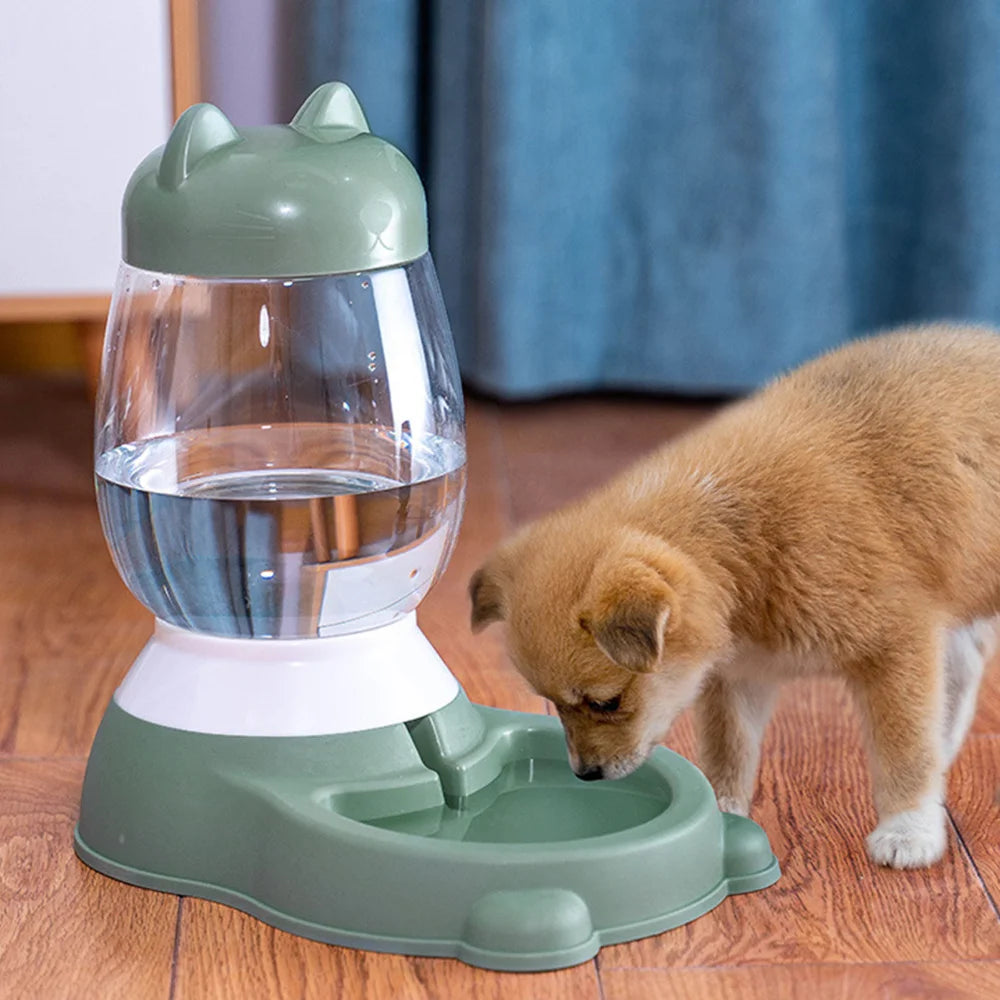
x=463 y=834
x=535 y=800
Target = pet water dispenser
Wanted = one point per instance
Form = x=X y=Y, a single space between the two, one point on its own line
x=280 y=466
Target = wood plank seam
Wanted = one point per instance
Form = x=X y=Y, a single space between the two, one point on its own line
x=175 y=957
x=972 y=863
x=600 y=982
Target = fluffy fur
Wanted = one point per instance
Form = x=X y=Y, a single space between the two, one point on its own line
x=844 y=520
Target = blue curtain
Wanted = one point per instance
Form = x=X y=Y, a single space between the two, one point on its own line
x=684 y=196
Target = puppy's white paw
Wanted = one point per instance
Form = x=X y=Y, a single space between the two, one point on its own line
x=912 y=839
x=728 y=804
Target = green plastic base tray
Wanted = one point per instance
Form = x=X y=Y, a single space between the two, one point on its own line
x=463 y=834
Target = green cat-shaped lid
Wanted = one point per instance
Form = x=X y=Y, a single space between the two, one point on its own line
x=321 y=195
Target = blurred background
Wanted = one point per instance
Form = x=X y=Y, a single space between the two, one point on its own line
x=680 y=198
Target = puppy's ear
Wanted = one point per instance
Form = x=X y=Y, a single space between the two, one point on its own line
x=487 y=590
x=627 y=608
x=649 y=603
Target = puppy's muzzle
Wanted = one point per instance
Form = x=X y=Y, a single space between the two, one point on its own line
x=590 y=773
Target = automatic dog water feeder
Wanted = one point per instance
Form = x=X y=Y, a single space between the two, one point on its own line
x=280 y=467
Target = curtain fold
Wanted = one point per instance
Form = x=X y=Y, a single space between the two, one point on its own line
x=688 y=196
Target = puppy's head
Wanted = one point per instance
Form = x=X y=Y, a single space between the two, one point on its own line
x=618 y=629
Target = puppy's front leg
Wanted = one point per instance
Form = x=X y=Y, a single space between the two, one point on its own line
x=730 y=716
x=900 y=694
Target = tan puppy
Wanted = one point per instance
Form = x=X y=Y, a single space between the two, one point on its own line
x=845 y=520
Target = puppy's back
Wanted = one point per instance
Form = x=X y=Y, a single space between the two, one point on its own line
x=872 y=470
x=950 y=374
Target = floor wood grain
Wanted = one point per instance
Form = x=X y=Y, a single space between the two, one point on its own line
x=74 y=625
x=834 y=926
x=65 y=931
x=902 y=981
x=556 y=451
x=831 y=904
x=68 y=627
x=226 y=954
x=974 y=802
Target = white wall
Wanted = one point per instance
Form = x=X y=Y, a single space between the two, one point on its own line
x=84 y=96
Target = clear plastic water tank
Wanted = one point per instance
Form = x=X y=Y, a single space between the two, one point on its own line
x=278 y=455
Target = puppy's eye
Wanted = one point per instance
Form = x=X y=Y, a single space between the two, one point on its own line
x=604 y=707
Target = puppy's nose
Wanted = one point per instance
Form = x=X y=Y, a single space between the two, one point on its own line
x=591 y=774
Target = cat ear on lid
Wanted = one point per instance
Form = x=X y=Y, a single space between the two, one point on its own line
x=200 y=130
x=331 y=105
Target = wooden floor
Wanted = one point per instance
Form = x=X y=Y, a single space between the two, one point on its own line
x=833 y=926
